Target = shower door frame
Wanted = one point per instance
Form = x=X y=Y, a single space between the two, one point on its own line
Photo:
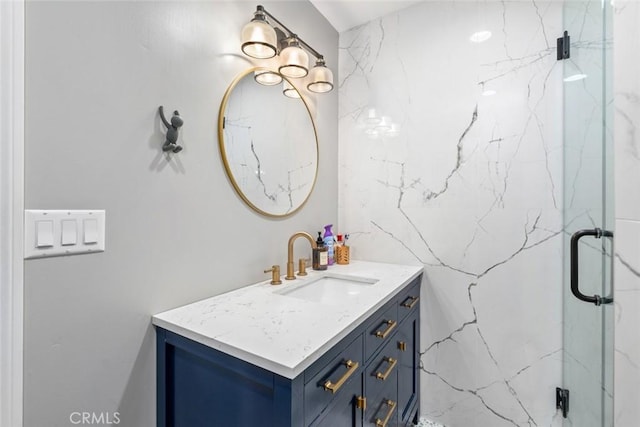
x=588 y=205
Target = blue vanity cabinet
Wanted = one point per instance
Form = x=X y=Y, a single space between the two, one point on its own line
x=381 y=387
x=369 y=378
x=199 y=386
x=333 y=385
x=343 y=412
x=408 y=369
x=408 y=344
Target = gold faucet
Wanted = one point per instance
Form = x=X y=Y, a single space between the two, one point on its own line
x=290 y=275
x=275 y=274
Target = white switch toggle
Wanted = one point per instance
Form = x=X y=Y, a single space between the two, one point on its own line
x=44 y=234
x=90 y=231
x=69 y=232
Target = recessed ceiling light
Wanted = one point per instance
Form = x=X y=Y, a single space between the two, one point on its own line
x=489 y=92
x=575 y=77
x=480 y=36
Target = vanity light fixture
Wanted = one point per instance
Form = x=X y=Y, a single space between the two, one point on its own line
x=262 y=40
x=295 y=61
x=259 y=39
x=267 y=78
x=321 y=78
x=289 y=91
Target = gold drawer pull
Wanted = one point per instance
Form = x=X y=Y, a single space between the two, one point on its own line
x=351 y=368
x=392 y=364
x=413 y=302
x=391 y=324
x=392 y=407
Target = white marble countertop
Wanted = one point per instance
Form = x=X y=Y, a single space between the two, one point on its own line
x=285 y=334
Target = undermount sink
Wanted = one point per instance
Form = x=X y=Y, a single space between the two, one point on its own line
x=328 y=288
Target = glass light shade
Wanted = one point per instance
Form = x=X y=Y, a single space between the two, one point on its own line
x=295 y=61
x=267 y=77
x=259 y=39
x=289 y=91
x=321 y=79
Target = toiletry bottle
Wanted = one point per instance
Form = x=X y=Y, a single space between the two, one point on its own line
x=329 y=243
x=320 y=258
x=342 y=250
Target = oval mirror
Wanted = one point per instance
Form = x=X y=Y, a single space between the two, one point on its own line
x=268 y=145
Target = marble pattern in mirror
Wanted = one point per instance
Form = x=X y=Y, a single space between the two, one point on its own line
x=268 y=145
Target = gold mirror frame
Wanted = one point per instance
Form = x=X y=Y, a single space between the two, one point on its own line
x=225 y=160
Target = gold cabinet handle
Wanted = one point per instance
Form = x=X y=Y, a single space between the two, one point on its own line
x=402 y=346
x=391 y=324
x=410 y=302
x=392 y=364
x=392 y=407
x=351 y=368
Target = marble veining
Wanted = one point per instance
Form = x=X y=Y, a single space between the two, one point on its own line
x=470 y=185
x=262 y=325
x=627 y=211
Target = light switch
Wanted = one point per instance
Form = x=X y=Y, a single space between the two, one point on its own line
x=63 y=232
x=90 y=231
x=44 y=234
x=69 y=232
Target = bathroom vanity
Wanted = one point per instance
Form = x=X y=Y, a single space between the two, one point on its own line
x=335 y=348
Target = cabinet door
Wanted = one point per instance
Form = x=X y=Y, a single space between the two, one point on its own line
x=408 y=360
x=381 y=388
x=343 y=411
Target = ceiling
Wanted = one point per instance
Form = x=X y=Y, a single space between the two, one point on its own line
x=346 y=14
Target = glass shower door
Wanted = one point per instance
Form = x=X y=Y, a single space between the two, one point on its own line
x=588 y=215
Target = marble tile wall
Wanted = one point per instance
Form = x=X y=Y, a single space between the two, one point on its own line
x=627 y=211
x=451 y=156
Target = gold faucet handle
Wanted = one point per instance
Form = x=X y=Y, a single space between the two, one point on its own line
x=302 y=266
x=275 y=274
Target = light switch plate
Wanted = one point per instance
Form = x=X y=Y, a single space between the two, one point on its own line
x=68 y=236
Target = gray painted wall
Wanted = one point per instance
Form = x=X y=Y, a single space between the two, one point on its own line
x=176 y=232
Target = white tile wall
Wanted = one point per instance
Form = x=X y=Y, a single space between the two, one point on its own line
x=471 y=187
x=468 y=185
x=627 y=205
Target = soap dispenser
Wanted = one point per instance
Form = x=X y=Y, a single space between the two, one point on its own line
x=320 y=259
